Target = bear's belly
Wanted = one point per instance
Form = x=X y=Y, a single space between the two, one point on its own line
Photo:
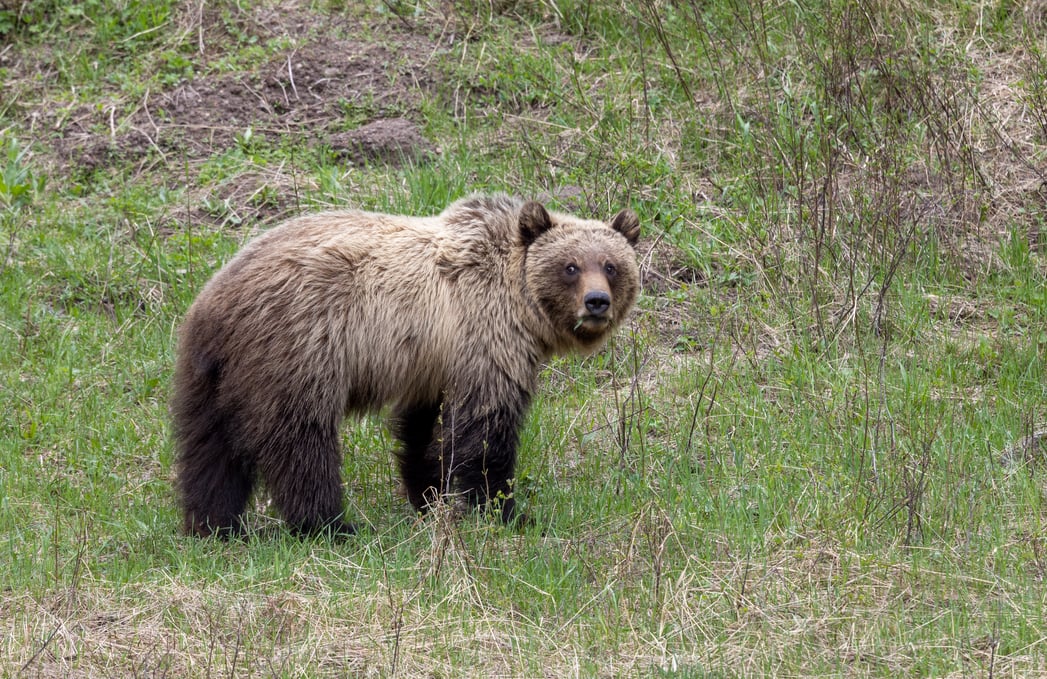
x=397 y=374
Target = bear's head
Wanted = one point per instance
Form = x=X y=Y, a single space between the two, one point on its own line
x=581 y=273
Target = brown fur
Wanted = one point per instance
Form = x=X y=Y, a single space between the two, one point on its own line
x=446 y=319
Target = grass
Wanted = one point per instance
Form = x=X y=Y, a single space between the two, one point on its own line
x=816 y=450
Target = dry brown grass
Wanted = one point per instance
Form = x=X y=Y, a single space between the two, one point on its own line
x=810 y=603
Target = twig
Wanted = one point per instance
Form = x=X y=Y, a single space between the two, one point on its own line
x=200 y=27
x=659 y=31
x=290 y=76
x=47 y=642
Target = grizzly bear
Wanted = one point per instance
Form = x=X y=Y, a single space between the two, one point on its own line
x=445 y=320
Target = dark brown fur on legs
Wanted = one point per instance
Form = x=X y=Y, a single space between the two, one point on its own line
x=219 y=462
x=479 y=450
x=446 y=319
x=421 y=468
x=214 y=482
x=465 y=452
x=305 y=486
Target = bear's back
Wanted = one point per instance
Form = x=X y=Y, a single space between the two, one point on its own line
x=380 y=306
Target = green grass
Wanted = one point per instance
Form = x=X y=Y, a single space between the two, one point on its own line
x=817 y=449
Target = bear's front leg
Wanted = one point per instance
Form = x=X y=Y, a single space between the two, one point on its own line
x=476 y=445
x=420 y=468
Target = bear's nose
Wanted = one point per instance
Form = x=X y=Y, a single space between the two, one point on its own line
x=597 y=303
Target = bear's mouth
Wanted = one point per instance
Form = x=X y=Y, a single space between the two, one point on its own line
x=589 y=324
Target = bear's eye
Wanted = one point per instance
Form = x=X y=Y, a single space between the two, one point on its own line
x=571 y=270
x=610 y=269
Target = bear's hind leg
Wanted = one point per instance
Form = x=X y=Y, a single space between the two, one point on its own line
x=422 y=473
x=213 y=486
x=301 y=468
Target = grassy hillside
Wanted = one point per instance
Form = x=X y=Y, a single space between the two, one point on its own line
x=818 y=449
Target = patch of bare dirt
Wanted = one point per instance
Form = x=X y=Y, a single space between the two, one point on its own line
x=388 y=140
x=310 y=94
x=305 y=91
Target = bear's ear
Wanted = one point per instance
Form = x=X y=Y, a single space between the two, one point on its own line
x=534 y=221
x=628 y=224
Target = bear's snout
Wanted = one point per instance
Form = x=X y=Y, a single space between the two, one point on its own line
x=597 y=303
